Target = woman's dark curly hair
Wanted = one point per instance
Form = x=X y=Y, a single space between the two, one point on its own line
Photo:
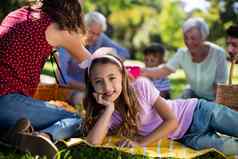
x=66 y=13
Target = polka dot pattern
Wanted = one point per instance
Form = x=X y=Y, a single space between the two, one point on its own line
x=23 y=50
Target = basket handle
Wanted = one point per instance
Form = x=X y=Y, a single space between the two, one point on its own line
x=233 y=62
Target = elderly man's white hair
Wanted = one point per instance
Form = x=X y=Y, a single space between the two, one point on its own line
x=198 y=23
x=95 y=17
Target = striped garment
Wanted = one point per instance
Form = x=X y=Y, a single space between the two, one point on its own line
x=162 y=84
x=164 y=148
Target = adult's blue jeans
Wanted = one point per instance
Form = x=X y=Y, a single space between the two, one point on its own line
x=44 y=117
x=209 y=119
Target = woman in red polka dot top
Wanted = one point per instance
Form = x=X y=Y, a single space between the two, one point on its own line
x=27 y=36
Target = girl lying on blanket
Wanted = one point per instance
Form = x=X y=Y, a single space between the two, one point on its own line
x=136 y=110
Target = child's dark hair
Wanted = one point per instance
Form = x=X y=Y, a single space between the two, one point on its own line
x=233 y=31
x=126 y=104
x=66 y=13
x=154 y=48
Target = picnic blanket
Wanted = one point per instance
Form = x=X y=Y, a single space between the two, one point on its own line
x=165 y=148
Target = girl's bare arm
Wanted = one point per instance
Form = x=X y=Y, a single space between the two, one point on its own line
x=170 y=123
x=97 y=134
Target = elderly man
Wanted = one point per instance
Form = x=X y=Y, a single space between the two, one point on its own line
x=96 y=24
x=232 y=40
x=94 y=38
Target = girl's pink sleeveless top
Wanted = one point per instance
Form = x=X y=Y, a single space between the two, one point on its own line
x=23 y=50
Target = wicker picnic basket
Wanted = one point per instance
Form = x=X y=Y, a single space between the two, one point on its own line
x=228 y=94
x=52 y=92
x=55 y=94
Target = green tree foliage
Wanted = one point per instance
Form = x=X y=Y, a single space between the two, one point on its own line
x=229 y=11
x=133 y=25
x=213 y=19
x=171 y=19
x=136 y=23
x=9 y=5
x=219 y=16
x=140 y=24
x=107 y=6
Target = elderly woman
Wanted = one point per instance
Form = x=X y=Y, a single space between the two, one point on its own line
x=204 y=63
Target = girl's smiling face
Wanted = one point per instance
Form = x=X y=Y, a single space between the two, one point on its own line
x=106 y=79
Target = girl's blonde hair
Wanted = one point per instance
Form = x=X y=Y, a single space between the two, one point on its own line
x=126 y=105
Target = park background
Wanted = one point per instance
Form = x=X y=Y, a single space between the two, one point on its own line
x=136 y=23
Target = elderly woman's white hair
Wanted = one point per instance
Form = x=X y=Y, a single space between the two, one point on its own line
x=199 y=23
x=95 y=17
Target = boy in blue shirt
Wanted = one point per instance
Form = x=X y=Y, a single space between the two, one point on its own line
x=154 y=57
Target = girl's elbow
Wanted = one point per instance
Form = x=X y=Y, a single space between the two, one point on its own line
x=175 y=124
x=93 y=141
x=172 y=124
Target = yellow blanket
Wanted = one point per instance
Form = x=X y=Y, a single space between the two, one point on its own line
x=163 y=149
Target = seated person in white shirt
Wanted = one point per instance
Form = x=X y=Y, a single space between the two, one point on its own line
x=203 y=62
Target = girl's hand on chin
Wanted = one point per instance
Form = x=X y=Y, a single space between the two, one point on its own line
x=99 y=98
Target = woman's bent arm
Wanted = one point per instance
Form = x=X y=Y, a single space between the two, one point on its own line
x=156 y=73
x=71 y=41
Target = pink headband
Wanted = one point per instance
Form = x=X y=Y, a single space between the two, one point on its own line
x=103 y=52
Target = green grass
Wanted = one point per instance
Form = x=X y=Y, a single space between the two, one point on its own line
x=83 y=151
x=178 y=83
x=49 y=69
